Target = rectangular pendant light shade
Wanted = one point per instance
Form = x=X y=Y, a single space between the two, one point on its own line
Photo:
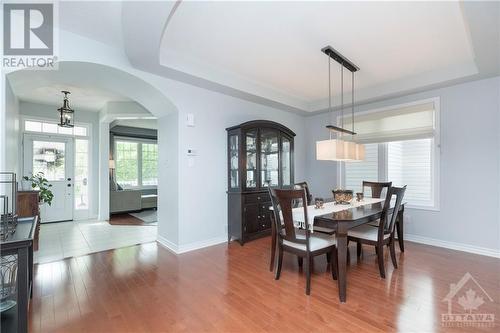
x=330 y=150
x=339 y=150
x=334 y=150
x=350 y=150
x=360 y=152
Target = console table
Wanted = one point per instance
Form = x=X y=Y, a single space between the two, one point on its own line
x=20 y=243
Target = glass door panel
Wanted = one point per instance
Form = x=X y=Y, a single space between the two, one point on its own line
x=54 y=157
x=251 y=151
x=269 y=158
x=81 y=174
x=49 y=158
x=286 y=169
x=233 y=167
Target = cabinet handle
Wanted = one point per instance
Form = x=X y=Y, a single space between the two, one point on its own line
x=258 y=198
x=258 y=217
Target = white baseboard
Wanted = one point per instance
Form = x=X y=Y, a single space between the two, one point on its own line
x=453 y=246
x=178 y=249
x=167 y=244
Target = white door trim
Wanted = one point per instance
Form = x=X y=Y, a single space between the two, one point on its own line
x=68 y=193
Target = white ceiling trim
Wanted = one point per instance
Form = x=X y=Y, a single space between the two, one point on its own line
x=476 y=22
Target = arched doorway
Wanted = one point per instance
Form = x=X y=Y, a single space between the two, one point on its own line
x=116 y=82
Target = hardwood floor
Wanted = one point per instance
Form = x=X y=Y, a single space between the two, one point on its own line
x=125 y=219
x=146 y=288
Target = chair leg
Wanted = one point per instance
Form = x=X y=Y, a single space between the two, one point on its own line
x=273 y=246
x=359 y=249
x=299 y=261
x=280 y=262
x=393 y=253
x=328 y=257
x=333 y=263
x=380 y=256
x=308 y=275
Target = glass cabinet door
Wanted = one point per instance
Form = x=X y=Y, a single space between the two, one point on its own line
x=251 y=159
x=233 y=161
x=286 y=161
x=269 y=158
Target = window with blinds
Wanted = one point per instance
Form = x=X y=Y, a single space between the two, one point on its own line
x=401 y=147
x=356 y=172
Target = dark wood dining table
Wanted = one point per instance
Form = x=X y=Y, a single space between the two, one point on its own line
x=349 y=218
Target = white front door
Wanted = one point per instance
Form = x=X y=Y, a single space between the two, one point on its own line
x=52 y=155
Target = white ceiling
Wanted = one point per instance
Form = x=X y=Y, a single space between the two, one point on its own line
x=276 y=45
x=98 y=20
x=269 y=52
x=45 y=87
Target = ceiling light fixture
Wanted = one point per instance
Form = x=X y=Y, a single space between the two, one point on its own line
x=66 y=112
x=338 y=149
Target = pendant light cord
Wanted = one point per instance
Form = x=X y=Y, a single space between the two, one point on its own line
x=330 y=93
x=352 y=104
x=342 y=97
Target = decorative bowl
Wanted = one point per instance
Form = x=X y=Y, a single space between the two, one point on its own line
x=342 y=197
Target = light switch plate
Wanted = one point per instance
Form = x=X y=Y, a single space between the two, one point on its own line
x=190 y=120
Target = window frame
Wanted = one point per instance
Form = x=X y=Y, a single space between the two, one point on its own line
x=42 y=120
x=139 y=142
x=435 y=154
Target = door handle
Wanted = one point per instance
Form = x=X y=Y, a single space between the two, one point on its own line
x=69 y=185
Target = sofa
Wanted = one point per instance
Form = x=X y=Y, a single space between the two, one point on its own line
x=121 y=201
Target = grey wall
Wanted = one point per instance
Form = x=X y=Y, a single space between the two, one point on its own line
x=11 y=151
x=168 y=171
x=50 y=112
x=203 y=185
x=469 y=173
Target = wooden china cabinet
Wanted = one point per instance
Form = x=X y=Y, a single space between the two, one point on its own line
x=260 y=154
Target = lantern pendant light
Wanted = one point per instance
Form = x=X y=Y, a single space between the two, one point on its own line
x=66 y=112
x=339 y=149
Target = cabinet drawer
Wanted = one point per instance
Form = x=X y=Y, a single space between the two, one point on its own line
x=256 y=217
x=257 y=198
x=264 y=207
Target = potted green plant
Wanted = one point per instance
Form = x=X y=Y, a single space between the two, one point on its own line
x=40 y=183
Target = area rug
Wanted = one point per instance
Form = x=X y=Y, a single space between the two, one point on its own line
x=146 y=217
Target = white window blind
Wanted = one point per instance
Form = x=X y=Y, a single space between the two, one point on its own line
x=356 y=172
x=397 y=124
x=410 y=163
x=402 y=146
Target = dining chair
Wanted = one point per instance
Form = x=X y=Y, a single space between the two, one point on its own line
x=300 y=242
x=274 y=236
x=304 y=185
x=384 y=234
x=376 y=189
